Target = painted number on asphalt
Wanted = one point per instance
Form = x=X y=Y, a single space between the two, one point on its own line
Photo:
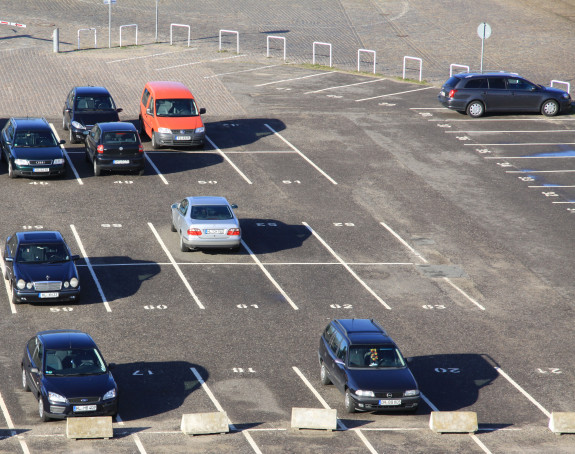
x=341 y=306
x=526 y=178
x=32 y=227
x=239 y=370
x=291 y=181
x=550 y=194
x=433 y=306
x=111 y=225
x=40 y=183
x=448 y=370
x=159 y=306
x=549 y=370
x=61 y=309
x=207 y=182
x=344 y=224
x=246 y=306
x=266 y=224
x=139 y=372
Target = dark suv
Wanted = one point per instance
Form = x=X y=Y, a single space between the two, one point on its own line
x=362 y=361
x=476 y=94
x=86 y=106
x=30 y=148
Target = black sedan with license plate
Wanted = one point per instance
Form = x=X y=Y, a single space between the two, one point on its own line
x=40 y=268
x=68 y=375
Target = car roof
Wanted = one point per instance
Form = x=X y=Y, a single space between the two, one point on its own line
x=89 y=90
x=363 y=331
x=487 y=74
x=43 y=236
x=30 y=123
x=65 y=338
x=169 y=89
x=117 y=126
x=207 y=200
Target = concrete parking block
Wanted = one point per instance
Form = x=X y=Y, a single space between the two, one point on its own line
x=453 y=421
x=313 y=418
x=205 y=423
x=562 y=422
x=89 y=427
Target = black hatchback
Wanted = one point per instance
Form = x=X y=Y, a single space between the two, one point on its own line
x=477 y=94
x=68 y=375
x=363 y=362
x=115 y=146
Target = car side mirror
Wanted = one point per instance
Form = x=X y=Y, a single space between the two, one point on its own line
x=175 y=206
x=34 y=370
x=62 y=142
x=9 y=259
x=234 y=206
x=339 y=362
x=68 y=110
x=202 y=110
x=74 y=257
x=149 y=111
x=409 y=360
x=119 y=110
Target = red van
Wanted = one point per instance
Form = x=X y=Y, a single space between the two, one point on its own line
x=170 y=117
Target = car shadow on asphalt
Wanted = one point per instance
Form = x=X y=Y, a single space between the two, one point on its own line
x=148 y=389
x=266 y=236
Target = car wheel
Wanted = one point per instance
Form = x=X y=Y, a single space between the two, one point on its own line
x=475 y=109
x=323 y=375
x=41 y=411
x=11 y=173
x=550 y=108
x=141 y=129
x=64 y=125
x=97 y=169
x=72 y=137
x=25 y=386
x=349 y=405
x=155 y=144
x=14 y=298
x=172 y=226
x=183 y=247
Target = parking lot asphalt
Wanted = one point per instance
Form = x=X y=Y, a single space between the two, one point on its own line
x=358 y=197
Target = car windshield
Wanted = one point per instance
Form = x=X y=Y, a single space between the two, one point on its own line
x=77 y=361
x=211 y=212
x=119 y=137
x=176 y=108
x=95 y=102
x=375 y=356
x=42 y=253
x=35 y=139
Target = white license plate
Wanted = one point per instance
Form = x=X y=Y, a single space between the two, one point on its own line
x=183 y=137
x=390 y=402
x=85 y=407
x=40 y=169
x=441 y=93
x=214 y=231
x=121 y=161
x=49 y=295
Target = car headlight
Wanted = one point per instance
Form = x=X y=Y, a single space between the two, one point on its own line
x=364 y=393
x=21 y=162
x=110 y=394
x=56 y=398
x=21 y=284
x=66 y=284
x=565 y=95
x=199 y=130
x=29 y=285
x=78 y=125
x=411 y=392
x=59 y=161
x=74 y=282
x=164 y=130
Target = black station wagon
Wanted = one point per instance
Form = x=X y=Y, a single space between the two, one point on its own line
x=477 y=94
x=363 y=362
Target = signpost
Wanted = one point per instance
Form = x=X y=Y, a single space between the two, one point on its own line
x=109 y=3
x=484 y=32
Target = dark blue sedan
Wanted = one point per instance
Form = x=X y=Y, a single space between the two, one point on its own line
x=68 y=375
x=40 y=268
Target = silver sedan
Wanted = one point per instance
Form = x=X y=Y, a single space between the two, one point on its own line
x=206 y=222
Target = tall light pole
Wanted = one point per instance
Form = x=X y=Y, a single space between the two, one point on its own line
x=157 y=20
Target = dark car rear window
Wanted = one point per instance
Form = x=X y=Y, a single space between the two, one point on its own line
x=452 y=81
x=480 y=82
x=119 y=137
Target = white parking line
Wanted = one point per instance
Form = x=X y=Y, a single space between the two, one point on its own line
x=156 y=169
x=347 y=267
x=269 y=276
x=220 y=408
x=528 y=157
x=309 y=161
x=517 y=144
x=393 y=94
x=70 y=163
x=327 y=407
x=8 y=292
x=539 y=171
x=176 y=267
x=418 y=255
x=466 y=131
x=501 y=119
x=89 y=265
x=135 y=436
x=344 y=86
x=10 y=425
x=223 y=155
x=199 y=62
x=150 y=56
x=550 y=186
x=295 y=78
x=522 y=391
x=242 y=71
x=255 y=264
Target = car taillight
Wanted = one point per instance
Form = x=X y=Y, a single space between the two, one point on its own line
x=451 y=93
x=234 y=232
x=194 y=232
x=100 y=149
x=141 y=148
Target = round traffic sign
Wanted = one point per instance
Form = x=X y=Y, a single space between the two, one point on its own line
x=484 y=30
